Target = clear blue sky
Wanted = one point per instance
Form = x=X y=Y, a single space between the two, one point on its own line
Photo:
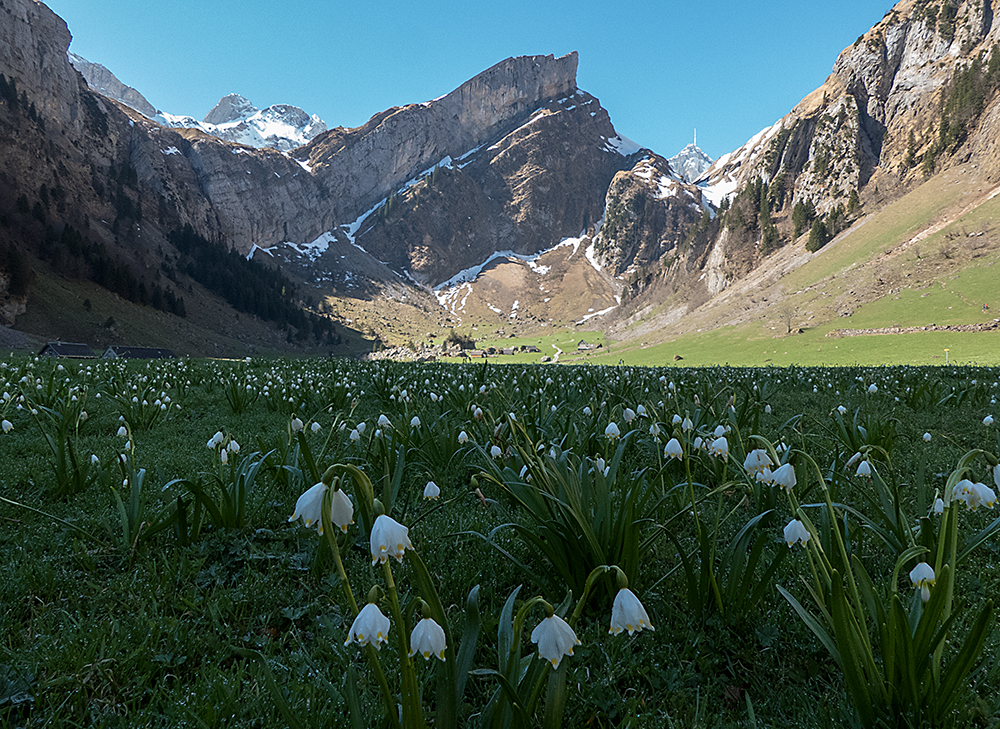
x=727 y=67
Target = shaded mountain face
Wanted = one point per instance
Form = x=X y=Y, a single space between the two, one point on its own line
x=515 y=159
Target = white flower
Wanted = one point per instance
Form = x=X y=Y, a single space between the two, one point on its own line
x=224 y=456
x=974 y=495
x=308 y=506
x=555 y=639
x=94 y=459
x=922 y=576
x=371 y=626
x=719 y=447
x=872 y=389
x=676 y=419
x=428 y=639
x=627 y=613
x=673 y=449
x=431 y=490
x=720 y=431
x=383 y=421
x=628 y=415
x=6 y=425
x=389 y=539
x=698 y=442
x=939 y=506
x=795 y=531
x=601 y=466
x=864 y=469
x=654 y=430
x=362 y=426
x=852 y=460
x=233 y=447
x=757 y=461
x=587 y=410
x=842 y=410
x=767 y=409
x=314 y=427
x=988 y=420
x=355 y=436
x=927 y=437
x=341 y=511
x=415 y=422
x=122 y=432
x=463 y=437
x=640 y=410
x=495 y=451
x=296 y=425
x=784 y=476
x=612 y=431
x=687 y=424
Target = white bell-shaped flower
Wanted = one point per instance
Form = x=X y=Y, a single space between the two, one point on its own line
x=463 y=437
x=428 y=639
x=555 y=639
x=756 y=461
x=923 y=578
x=495 y=451
x=370 y=627
x=627 y=613
x=341 y=511
x=383 y=421
x=389 y=539
x=784 y=476
x=297 y=425
x=673 y=449
x=414 y=422
x=864 y=469
x=431 y=490
x=719 y=447
x=628 y=415
x=6 y=425
x=795 y=531
x=612 y=431
x=308 y=506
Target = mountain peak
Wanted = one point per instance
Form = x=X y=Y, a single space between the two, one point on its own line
x=231 y=107
x=690 y=163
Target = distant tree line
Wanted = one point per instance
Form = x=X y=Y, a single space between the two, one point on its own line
x=248 y=286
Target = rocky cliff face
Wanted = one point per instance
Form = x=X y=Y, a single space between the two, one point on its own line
x=101 y=80
x=649 y=210
x=515 y=159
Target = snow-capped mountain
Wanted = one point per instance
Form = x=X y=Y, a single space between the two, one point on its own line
x=690 y=163
x=236 y=119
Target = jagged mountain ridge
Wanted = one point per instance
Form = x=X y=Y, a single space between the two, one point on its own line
x=233 y=119
x=871 y=132
x=497 y=142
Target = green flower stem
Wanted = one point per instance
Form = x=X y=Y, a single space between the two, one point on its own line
x=413 y=715
x=370 y=652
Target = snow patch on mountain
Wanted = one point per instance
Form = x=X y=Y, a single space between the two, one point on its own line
x=235 y=119
x=690 y=163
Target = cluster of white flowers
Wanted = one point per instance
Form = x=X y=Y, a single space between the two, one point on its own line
x=974 y=495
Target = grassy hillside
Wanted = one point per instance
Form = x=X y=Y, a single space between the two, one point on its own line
x=927 y=260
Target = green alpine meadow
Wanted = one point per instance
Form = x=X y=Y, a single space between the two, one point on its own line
x=328 y=543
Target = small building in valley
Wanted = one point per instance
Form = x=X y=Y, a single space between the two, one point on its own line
x=67 y=350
